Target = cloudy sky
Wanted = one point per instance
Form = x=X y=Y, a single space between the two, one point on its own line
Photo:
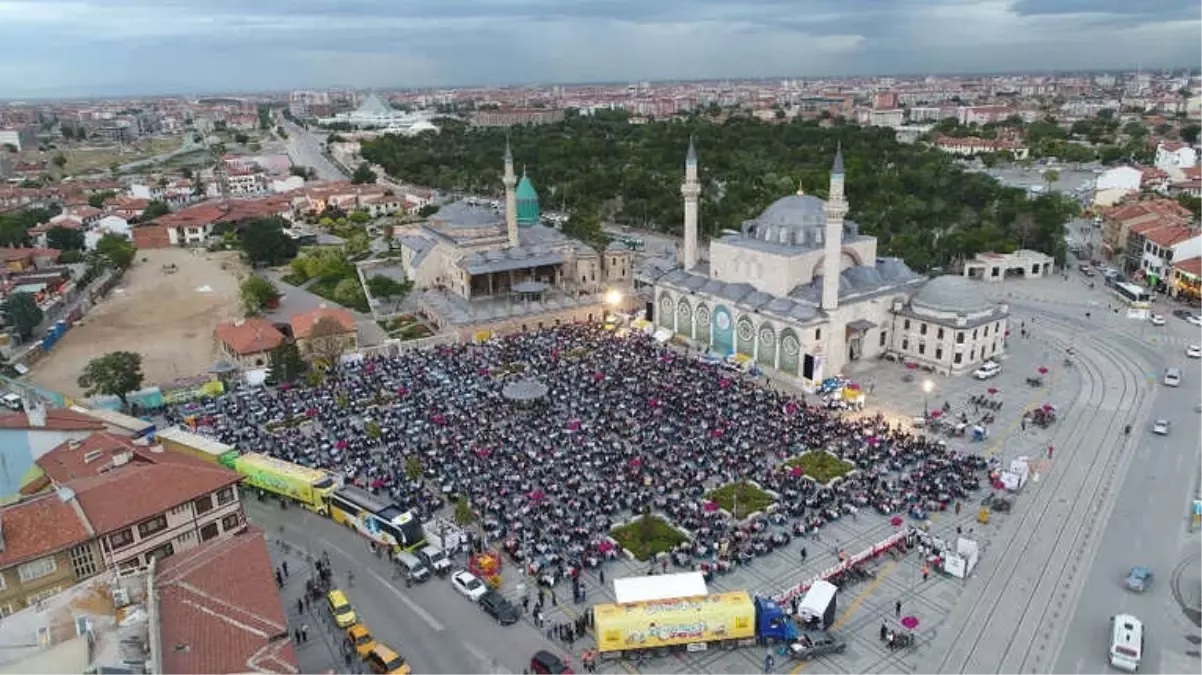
x=93 y=47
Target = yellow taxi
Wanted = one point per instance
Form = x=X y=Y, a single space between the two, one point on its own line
x=384 y=661
x=361 y=640
x=340 y=609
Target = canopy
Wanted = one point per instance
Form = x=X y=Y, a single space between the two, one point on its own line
x=817 y=599
x=659 y=587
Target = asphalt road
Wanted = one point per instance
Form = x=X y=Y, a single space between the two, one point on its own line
x=305 y=150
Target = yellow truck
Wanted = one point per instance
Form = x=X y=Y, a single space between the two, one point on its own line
x=177 y=439
x=701 y=620
x=309 y=487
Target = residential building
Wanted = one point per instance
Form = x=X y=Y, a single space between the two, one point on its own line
x=1153 y=246
x=49 y=545
x=342 y=339
x=997 y=267
x=970 y=145
x=889 y=117
x=514 y=117
x=1173 y=157
x=115 y=225
x=1186 y=281
x=26 y=436
x=248 y=342
x=1118 y=220
x=1114 y=185
x=1190 y=183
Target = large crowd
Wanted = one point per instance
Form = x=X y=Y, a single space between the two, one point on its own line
x=627 y=425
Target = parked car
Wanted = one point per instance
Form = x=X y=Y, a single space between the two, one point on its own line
x=1086 y=270
x=1161 y=427
x=1156 y=319
x=1194 y=319
x=1182 y=314
x=1194 y=351
x=498 y=607
x=546 y=663
x=1138 y=579
x=469 y=585
x=811 y=647
x=987 y=370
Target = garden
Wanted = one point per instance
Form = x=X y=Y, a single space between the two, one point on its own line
x=405 y=327
x=647 y=536
x=741 y=499
x=822 y=467
x=329 y=273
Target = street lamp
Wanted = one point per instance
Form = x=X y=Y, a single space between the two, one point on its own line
x=613 y=297
x=927 y=386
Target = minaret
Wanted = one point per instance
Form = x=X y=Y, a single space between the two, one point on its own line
x=835 y=210
x=511 y=200
x=691 y=191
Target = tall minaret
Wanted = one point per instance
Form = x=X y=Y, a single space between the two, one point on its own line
x=691 y=191
x=835 y=209
x=511 y=200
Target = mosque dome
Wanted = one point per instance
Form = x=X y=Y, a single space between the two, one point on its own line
x=527 y=202
x=953 y=295
x=794 y=211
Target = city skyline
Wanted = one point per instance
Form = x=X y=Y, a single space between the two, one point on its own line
x=76 y=48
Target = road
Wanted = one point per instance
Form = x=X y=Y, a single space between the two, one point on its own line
x=304 y=148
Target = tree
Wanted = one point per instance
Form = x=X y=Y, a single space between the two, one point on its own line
x=463 y=511
x=360 y=217
x=413 y=468
x=118 y=250
x=372 y=429
x=60 y=160
x=257 y=293
x=97 y=200
x=326 y=340
x=114 y=374
x=241 y=138
x=1051 y=176
x=386 y=287
x=284 y=364
x=363 y=174
x=427 y=210
x=21 y=311
x=155 y=209
x=349 y=292
x=266 y=243
x=1189 y=133
x=64 y=238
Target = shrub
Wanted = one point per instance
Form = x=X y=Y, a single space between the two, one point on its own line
x=822 y=466
x=741 y=499
x=648 y=536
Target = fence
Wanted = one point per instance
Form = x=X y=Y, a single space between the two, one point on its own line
x=393 y=347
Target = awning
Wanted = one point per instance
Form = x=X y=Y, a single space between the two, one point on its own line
x=860 y=325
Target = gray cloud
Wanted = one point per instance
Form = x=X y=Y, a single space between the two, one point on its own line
x=87 y=47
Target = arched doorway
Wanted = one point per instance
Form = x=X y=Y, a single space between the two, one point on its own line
x=667 y=311
x=767 y=347
x=701 y=325
x=724 y=331
x=790 y=351
x=684 y=318
x=745 y=335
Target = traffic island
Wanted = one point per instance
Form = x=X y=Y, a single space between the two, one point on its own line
x=647 y=536
x=742 y=499
x=821 y=467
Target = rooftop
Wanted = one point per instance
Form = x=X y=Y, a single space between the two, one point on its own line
x=249 y=336
x=25 y=531
x=303 y=323
x=90 y=457
x=952 y=293
x=121 y=498
x=56 y=419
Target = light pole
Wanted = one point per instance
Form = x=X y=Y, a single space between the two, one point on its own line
x=927 y=386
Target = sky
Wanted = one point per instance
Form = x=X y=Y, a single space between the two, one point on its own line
x=51 y=48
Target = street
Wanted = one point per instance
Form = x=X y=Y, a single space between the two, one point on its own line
x=304 y=148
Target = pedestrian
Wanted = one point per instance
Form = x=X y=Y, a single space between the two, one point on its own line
x=897 y=608
x=279 y=579
x=664 y=565
x=538 y=617
x=284 y=565
x=926 y=571
x=304 y=632
x=554 y=600
x=300 y=606
x=958 y=529
x=768 y=662
x=525 y=604
x=349 y=658
x=958 y=508
x=308 y=602
x=1050 y=448
x=296 y=637
x=804 y=554
x=884 y=631
x=1024 y=423
x=601 y=574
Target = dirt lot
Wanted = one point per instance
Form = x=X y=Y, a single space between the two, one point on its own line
x=167 y=318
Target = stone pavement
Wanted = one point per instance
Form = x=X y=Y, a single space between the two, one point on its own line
x=321 y=652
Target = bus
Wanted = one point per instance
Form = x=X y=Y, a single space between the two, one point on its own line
x=200 y=447
x=311 y=488
x=1133 y=296
x=382 y=522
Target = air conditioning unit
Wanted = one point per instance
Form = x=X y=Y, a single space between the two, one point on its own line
x=121 y=597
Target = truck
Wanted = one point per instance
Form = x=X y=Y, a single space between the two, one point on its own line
x=817 y=608
x=200 y=447
x=732 y=619
x=311 y=488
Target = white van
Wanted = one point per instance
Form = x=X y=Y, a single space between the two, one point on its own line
x=11 y=401
x=1126 y=642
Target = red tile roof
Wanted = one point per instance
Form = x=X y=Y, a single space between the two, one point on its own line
x=302 y=324
x=57 y=419
x=1190 y=266
x=249 y=336
x=134 y=493
x=1171 y=235
x=220 y=611
x=89 y=457
x=39 y=526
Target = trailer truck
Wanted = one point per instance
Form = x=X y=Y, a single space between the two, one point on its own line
x=694 y=623
x=311 y=488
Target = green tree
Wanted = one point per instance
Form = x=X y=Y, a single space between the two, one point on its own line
x=155 y=209
x=349 y=292
x=360 y=217
x=1189 y=133
x=372 y=429
x=118 y=250
x=363 y=174
x=413 y=468
x=60 y=160
x=284 y=364
x=21 y=311
x=1050 y=176
x=114 y=374
x=97 y=200
x=64 y=238
x=257 y=293
x=265 y=242
x=463 y=511
x=385 y=287
x=427 y=210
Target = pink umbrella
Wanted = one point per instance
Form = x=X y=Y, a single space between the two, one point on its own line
x=1043 y=371
x=311 y=412
x=369 y=368
x=936 y=414
x=912 y=366
x=852 y=386
x=604 y=546
x=896 y=521
x=401 y=391
x=724 y=382
x=537 y=496
x=636 y=463
x=340 y=445
x=717 y=433
x=796 y=471
x=483 y=453
x=709 y=506
x=1049 y=407
x=573 y=425
x=653 y=402
x=482 y=372
x=598 y=376
x=910 y=622
x=873 y=440
x=992 y=391
x=790 y=408
x=439 y=419
x=285 y=386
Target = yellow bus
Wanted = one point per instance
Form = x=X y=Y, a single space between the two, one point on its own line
x=310 y=487
x=382 y=522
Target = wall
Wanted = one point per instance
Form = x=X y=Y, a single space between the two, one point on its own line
x=770 y=273
x=980 y=343
x=16 y=595
x=19 y=448
x=182 y=531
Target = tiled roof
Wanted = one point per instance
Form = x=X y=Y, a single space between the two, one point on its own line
x=1171 y=235
x=57 y=419
x=220 y=611
x=302 y=324
x=90 y=457
x=133 y=493
x=249 y=336
x=1190 y=266
x=39 y=526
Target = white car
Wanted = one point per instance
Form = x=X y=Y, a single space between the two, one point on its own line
x=1195 y=319
x=1161 y=427
x=469 y=585
x=1156 y=319
x=987 y=370
x=1194 y=351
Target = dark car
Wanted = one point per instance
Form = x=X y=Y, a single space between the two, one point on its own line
x=546 y=663
x=1182 y=314
x=811 y=647
x=495 y=605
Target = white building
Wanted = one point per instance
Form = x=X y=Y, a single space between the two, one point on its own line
x=106 y=225
x=1114 y=184
x=764 y=293
x=376 y=114
x=1173 y=158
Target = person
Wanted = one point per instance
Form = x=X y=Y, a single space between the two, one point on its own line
x=1050 y=449
x=1127 y=430
x=803 y=554
x=768 y=662
x=897 y=608
x=884 y=631
x=350 y=579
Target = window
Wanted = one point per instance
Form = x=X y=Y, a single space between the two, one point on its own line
x=31 y=600
x=149 y=527
x=817 y=334
x=230 y=522
x=165 y=551
x=906 y=325
x=83 y=563
x=974 y=333
x=883 y=338
x=208 y=532
x=3 y=583
x=922 y=329
x=203 y=504
x=905 y=345
x=121 y=539
x=225 y=496
x=959 y=358
x=959 y=337
x=938 y=353
x=922 y=348
x=986 y=333
x=939 y=334
x=37 y=569
x=972 y=356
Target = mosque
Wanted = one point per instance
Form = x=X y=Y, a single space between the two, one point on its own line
x=480 y=269
x=376 y=114
x=799 y=290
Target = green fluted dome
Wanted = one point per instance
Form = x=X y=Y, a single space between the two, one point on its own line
x=527 y=199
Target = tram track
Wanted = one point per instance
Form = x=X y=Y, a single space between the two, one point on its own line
x=1009 y=579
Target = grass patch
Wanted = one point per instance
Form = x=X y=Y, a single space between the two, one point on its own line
x=325 y=288
x=741 y=499
x=293 y=279
x=647 y=536
x=822 y=467
x=405 y=327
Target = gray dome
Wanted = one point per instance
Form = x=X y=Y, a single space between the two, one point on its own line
x=951 y=293
x=794 y=210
